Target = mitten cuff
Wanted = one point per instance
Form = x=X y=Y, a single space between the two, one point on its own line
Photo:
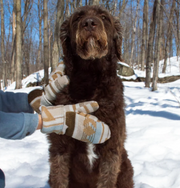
x=45 y=101
x=55 y=86
x=70 y=122
x=34 y=99
x=53 y=119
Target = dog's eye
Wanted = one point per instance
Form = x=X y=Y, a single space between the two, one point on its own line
x=77 y=18
x=103 y=17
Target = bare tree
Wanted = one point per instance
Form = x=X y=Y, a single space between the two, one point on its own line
x=178 y=32
x=27 y=9
x=177 y=12
x=137 y=47
x=168 y=35
x=13 y=72
x=24 y=25
x=159 y=18
x=95 y=2
x=56 y=42
x=78 y=3
x=67 y=12
x=134 y=33
x=150 y=47
x=144 y=34
x=2 y=43
x=18 y=44
x=46 y=50
x=122 y=6
x=39 y=55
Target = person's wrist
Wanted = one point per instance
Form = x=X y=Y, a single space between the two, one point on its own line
x=40 y=122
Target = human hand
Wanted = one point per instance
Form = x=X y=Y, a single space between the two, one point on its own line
x=57 y=82
x=73 y=120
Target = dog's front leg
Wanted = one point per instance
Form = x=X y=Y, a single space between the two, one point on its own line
x=108 y=171
x=59 y=171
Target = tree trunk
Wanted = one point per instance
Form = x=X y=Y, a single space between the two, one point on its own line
x=122 y=7
x=2 y=44
x=137 y=44
x=134 y=33
x=18 y=44
x=144 y=34
x=178 y=33
x=13 y=70
x=39 y=54
x=50 y=45
x=24 y=24
x=79 y=3
x=56 y=47
x=46 y=50
x=159 y=18
x=150 y=48
x=95 y=2
x=177 y=12
x=67 y=12
x=168 y=35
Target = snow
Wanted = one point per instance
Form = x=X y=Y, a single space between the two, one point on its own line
x=153 y=139
x=124 y=64
x=173 y=69
x=153 y=134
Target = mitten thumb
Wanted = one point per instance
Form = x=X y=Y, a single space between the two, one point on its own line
x=88 y=107
x=86 y=128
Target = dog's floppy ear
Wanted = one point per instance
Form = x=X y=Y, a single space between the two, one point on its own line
x=118 y=38
x=64 y=36
x=66 y=45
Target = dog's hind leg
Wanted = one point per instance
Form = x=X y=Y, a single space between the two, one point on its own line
x=59 y=160
x=125 y=178
x=59 y=171
x=108 y=171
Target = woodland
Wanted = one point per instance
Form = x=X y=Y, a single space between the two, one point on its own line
x=29 y=35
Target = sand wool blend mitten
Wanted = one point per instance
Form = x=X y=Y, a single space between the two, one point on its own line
x=57 y=82
x=74 y=121
x=87 y=128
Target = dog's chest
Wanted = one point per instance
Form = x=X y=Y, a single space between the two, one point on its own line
x=83 y=86
x=92 y=156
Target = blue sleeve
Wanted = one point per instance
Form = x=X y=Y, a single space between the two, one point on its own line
x=16 y=116
x=17 y=125
x=14 y=102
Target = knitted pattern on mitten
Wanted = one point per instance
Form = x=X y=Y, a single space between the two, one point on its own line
x=87 y=128
x=81 y=126
x=57 y=82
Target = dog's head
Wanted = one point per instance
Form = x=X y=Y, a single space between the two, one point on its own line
x=91 y=33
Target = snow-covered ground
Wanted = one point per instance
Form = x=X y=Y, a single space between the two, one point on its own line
x=153 y=141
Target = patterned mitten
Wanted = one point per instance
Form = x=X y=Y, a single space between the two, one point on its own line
x=87 y=128
x=74 y=121
x=57 y=81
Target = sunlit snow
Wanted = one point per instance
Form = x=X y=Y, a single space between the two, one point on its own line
x=153 y=139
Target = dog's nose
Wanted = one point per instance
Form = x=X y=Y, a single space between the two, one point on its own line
x=89 y=24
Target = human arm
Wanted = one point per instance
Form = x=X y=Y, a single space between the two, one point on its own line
x=16 y=120
x=16 y=116
x=40 y=122
x=17 y=125
x=14 y=102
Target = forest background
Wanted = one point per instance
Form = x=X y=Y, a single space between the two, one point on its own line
x=30 y=34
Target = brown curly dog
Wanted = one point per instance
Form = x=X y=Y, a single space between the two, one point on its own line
x=91 y=39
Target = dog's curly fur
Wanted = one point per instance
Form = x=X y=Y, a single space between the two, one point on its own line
x=91 y=39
